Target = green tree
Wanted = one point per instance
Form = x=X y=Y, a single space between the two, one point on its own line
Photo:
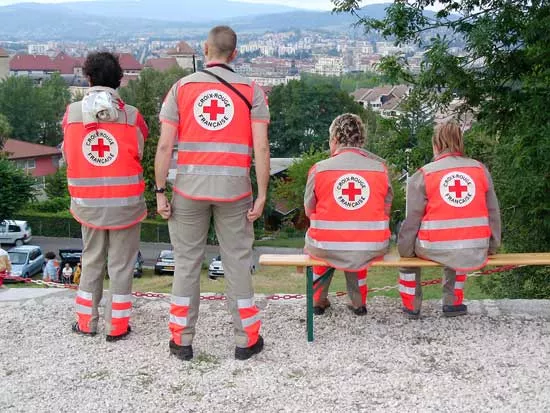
x=147 y=94
x=503 y=76
x=292 y=188
x=5 y=130
x=20 y=103
x=16 y=189
x=54 y=96
x=56 y=184
x=302 y=113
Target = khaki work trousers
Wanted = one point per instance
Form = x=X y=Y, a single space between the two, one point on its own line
x=189 y=226
x=116 y=248
x=411 y=290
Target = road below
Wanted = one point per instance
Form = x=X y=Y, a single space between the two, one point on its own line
x=151 y=250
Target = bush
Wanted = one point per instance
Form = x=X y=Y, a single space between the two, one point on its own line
x=51 y=205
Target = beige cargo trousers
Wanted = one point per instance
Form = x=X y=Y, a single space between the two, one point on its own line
x=188 y=227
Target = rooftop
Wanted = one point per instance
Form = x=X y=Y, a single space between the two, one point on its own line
x=182 y=48
x=22 y=150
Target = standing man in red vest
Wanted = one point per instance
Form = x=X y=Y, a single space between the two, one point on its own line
x=453 y=218
x=103 y=145
x=219 y=118
x=348 y=201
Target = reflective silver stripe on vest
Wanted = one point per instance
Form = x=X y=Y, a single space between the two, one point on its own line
x=121 y=313
x=106 y=181
x=213 y=170
x=455 y=223
x=362 y=283
x=108 y=202
x=84 y=294
x=247 y=322
x=245 y=303
x=347 y=246
x=117 y=298
x=407 y=290
x=82 y=309
x=215 y=147
x=455 y=245
x=407 y=276
x=351 y=225
x=180 y=321
x=459 y=285
x=182 y=301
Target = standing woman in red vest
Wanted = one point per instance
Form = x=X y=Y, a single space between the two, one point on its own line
x=348 y=201
x=103 y=145
x=453 y=218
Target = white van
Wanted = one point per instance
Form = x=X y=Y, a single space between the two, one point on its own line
x=15 y=232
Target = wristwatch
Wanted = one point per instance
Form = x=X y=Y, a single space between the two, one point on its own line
x=159 y=190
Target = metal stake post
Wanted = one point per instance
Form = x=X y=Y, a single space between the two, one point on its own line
x=309 y=294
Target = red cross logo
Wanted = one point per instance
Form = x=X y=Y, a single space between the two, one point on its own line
x=351 y=192
x=458 y=189
x=213 y=110
x=100 y=148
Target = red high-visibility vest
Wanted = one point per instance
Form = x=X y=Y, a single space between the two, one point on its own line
x=349 y=213
x=103 y=165
x=215 y=133
x=456 y=215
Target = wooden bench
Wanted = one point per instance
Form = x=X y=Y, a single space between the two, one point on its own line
x=301 y=261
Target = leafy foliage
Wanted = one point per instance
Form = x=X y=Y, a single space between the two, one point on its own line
x=503 y=76
x=56 y=184
x=5 y=130
x=16 y=189
x=34 y=113
x=147 y=94
x=301 y=114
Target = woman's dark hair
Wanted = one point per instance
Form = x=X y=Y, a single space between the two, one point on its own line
x=103 y=69
x=50 y=255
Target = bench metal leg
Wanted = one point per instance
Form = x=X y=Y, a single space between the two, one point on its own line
x=309 y=296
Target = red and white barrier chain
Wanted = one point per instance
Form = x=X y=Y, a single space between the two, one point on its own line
x=273 y=297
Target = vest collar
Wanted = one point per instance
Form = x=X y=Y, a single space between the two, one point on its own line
x=352 y=149
x=447 y=154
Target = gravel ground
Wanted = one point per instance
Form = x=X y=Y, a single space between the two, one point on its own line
x=495 y=359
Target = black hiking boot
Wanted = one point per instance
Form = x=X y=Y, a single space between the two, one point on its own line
x=184 y=353
x=111 y=339
x=76 y=329
x=455 y=310
x=411 y=314
x=246 y=353
x=359 y=310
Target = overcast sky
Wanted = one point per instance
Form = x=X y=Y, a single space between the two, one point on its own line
x=310 y=4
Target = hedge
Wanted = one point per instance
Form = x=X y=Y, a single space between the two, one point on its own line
x=63 y=225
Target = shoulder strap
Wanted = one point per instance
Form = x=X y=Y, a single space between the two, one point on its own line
x=230 y=86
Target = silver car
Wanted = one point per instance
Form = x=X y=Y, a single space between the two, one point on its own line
x=26 y=260
x=215 y=269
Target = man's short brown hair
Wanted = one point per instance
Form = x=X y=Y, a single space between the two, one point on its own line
x=222 y=41
x=448 y=137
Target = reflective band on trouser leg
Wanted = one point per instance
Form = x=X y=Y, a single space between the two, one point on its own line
x=179 y=310
x=318 y=286
x=121 y=308
x=362 y=283
x=250 y=319
x=407 y=288
x=84 y=305
x=460 y=281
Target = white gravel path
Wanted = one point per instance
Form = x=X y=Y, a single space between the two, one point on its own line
x=487 y=361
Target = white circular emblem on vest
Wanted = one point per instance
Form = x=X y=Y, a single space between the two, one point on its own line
x=351 y=191
x=100 y=148
x=457 y=189
x=214 y=110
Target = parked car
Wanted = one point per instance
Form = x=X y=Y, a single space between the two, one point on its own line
x=15 y=232
x=26 y=260
x=69 y=256
x=138 y=267
x=215 y=269
x=165 y=262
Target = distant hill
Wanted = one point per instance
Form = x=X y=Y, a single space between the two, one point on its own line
x=175 y=10
x=123 y=19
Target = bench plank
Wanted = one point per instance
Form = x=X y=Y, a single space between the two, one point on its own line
x=299 y=260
